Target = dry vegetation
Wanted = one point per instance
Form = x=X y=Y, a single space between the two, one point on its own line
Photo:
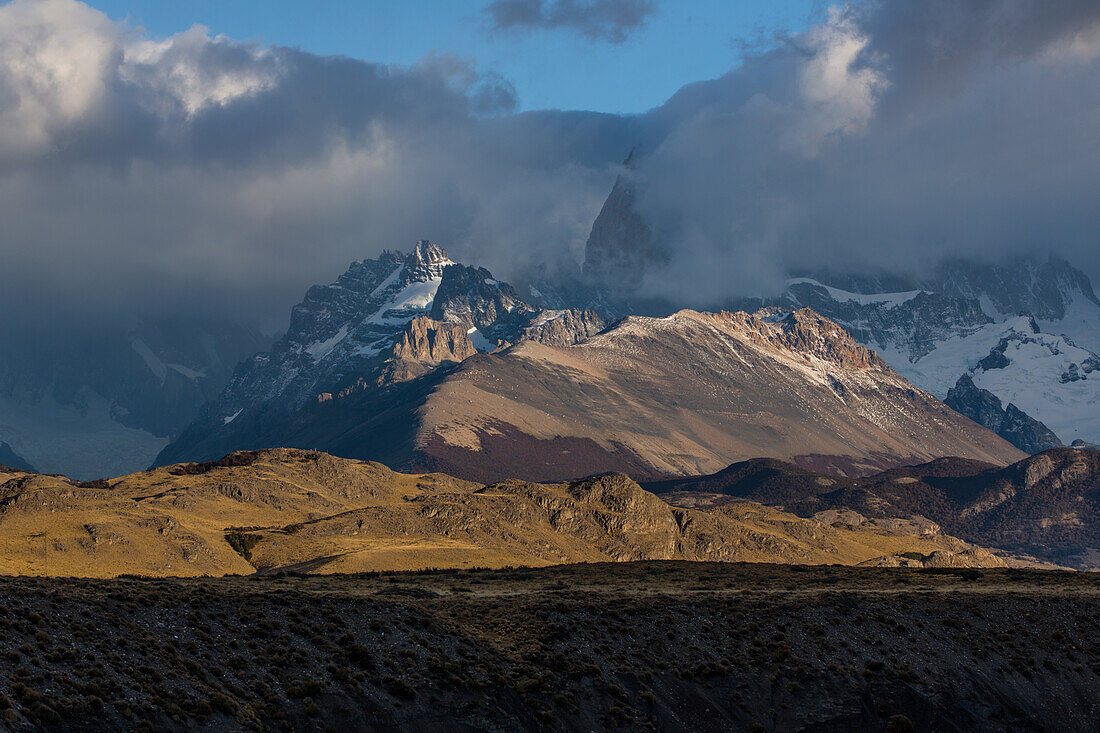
x=660 y=646
x=310 y=512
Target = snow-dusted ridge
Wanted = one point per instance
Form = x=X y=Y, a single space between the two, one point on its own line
x=1028 y=333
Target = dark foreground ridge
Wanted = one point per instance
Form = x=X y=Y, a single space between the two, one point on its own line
x=656 y=645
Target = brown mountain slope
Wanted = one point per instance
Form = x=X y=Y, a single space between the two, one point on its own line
x=1047 y=505
x=311 y=512
x=688 y=394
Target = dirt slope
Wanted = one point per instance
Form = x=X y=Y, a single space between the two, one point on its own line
x=689 y=394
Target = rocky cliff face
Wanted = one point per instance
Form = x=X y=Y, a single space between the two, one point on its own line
x=564 y=327
x=1011 y=423
x=424 y=344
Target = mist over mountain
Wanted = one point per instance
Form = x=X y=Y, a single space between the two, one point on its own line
x=200 y=175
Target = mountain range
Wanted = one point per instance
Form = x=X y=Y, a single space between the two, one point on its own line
x=1047 y=505
x=369 y=364
x=306 y=512
x=1025 y=332
x=426 y=364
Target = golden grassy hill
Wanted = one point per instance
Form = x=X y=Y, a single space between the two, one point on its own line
x=304 y=511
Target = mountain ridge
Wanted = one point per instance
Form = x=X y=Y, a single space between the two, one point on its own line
x=1047 y=505
x=285 y=510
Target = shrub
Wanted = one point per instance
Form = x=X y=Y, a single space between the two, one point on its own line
x=900 y=724
x=242 y=543
x=398 y=688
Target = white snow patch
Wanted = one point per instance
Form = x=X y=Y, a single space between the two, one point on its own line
x=482 y=344
x=891 y=299
x=1032 y=381
x=231 y=418
x=414 y=296
x=390 y=280
x=1081 y=323
x=188 y=371
x=156 y=366
x=320 y=349
x=371 y=350
x=546 y=316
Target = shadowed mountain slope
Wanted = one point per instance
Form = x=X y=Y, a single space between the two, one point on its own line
x=1046 y=505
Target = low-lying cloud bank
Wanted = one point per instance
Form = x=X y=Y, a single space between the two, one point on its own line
x=197 y=174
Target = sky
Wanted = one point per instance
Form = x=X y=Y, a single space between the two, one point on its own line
x=676 y=44
x=216 y=160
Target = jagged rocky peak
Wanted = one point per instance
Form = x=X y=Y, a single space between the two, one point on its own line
x=807 y=331
x=802 y=331
x=472 y=297
x=621 y=245
x=426 y=261
x=1044 y=290
x=430 y=341
x=384 y=321
x=1011 y=423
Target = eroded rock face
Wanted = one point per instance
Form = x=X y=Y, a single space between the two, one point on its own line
x=426 y=343
x=472 y=297
x=806 y=331
x=564 y=328
x=431 y=342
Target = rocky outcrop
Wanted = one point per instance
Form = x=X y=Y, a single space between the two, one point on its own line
x=471 y=297
x=425 y=343
x=310 y=512
x=564 y=328
x=11 y=459
x=1011 y=423
x=807 y=332
x=1046 y=505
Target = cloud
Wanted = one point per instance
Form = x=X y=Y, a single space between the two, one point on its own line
x=598 y=20
x=201 y=175
x=888 y=136
x=198 y=175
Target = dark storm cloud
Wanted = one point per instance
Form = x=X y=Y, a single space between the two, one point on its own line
x=888 y=136
x=208 y=176
x=599 y=20
x=198 y=175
